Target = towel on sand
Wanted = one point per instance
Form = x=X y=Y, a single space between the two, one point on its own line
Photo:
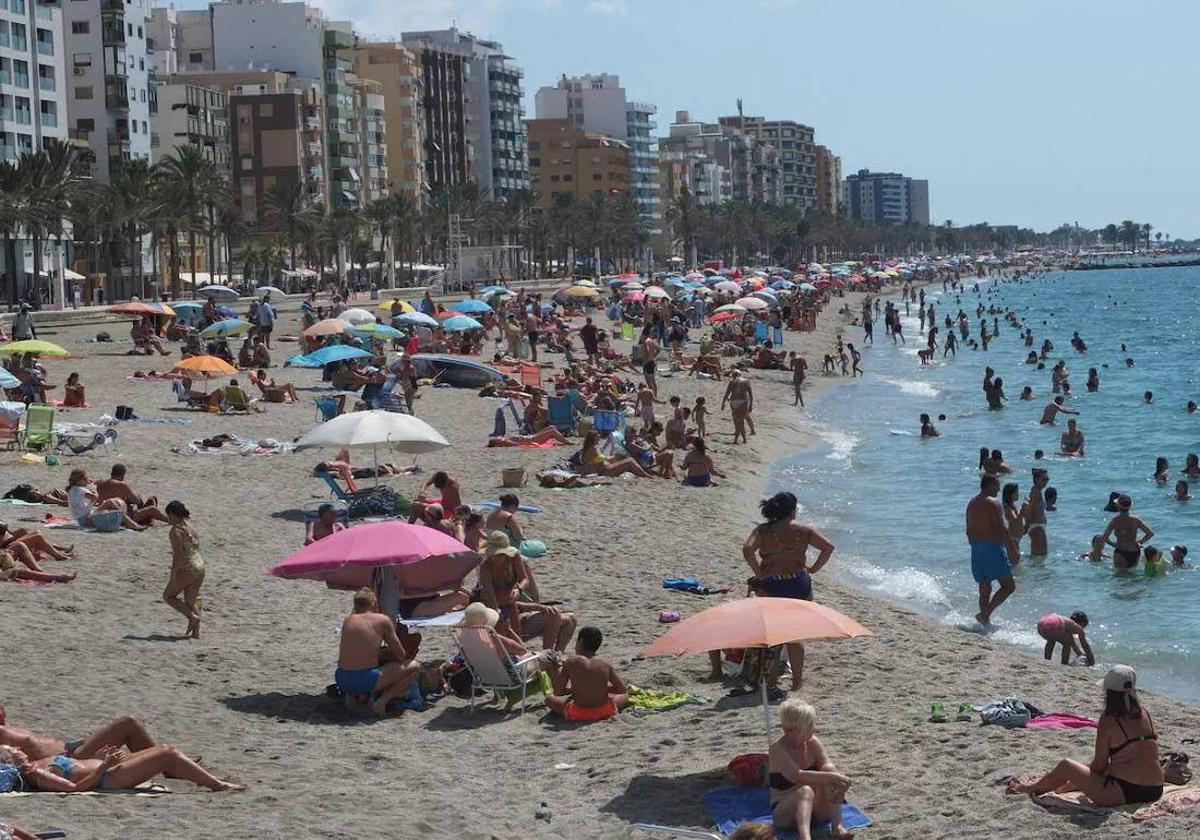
x=493 y=443
x=646 y=701
x=730 y=807
x=1175 y=798
x=144 y=789
x=1061 y=720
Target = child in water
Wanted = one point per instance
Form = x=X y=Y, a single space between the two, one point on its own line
x=1059 y=630
x=1096 y=555
x=1153 y=562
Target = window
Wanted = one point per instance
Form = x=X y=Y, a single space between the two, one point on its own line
x=45 y=42
x=266 y=110
x=142 y=95
x=134 y=127
x=141 y=64
x=6 y=111
x=129 y=26
x=144 y=129
x=247 y=163
x=195 y=58
x=139 y=32
x=3 y=32
x=80 y=27
x=85 y=125
x=24 y=115
x=17 y=7
x=5 y=72
x=554 y=179
x=20 y=73
x=568 y=178
x=596 y=176
x=46 y=78
x=82 y=59
x=535 y=146
x=84 y=93
x=535 y=161
x=20 y=39
x=49 y=114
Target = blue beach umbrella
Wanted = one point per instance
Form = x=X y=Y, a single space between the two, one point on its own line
x=461 y=322
x=471 y=307
x=328 y=355
x=7 y=380
x=226 y=328
x=415 y=319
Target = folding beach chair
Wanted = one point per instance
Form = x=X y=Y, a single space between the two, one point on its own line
x=236 y=401
x=493 y=669
x=608 y=421
x=531 y=375
x=562 y=414
x=39 y=427
x=9 y=431
x=762 y=332
x=389 y=400
x=327 y=408
x=181 y=395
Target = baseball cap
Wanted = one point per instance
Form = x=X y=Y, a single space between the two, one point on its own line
x=1120 y=678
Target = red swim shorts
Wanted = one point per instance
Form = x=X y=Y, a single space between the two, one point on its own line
x=582 y=715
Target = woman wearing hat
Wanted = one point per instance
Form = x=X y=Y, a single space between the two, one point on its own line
x=505 y=582
x=1125 y=768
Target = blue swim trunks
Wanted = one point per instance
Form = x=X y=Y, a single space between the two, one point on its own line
x=358 y=680
x=989 y=562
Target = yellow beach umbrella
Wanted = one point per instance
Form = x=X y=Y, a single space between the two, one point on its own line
x=405 y=306
x=579 y=292
x=37 y=348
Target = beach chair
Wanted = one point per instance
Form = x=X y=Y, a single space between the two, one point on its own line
x=39 y=427
x=762 y=332
x=327 y=409
x=181 y=395
x=236 y=401
x=10 y=429
x=493 y=669
x=608 y=421
x=531 y=375
x=562 y=414
x=388 y=400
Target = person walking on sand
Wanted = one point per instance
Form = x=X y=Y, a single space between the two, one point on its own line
x=799 y=367
x=187 y=569
x=650 y=349
x=359 y=671
x=740 y=397
x=989 y=537
x=1125 y=528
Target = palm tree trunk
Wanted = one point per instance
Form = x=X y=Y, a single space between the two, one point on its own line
x=192 y=250
x=176 y=280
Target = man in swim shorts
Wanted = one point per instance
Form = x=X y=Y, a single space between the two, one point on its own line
x=1053 y=409
x=359 y=670
x=586 y=687
x=989 y=539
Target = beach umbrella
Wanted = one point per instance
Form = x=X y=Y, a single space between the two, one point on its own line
x=215 y=291
x=755 y=623
x=458 y=323
x=655 y=292
x=375 y=331
x=34 y=346
x=226 y=328
x=751 y=303
x=633 y=297
x=614 y=282
x=327 y=356
x=471 y=307
x=424 y=559
x=375 y=428
x=329 y=326
x=735 y=308
x=783 y=284
x=415 y=319
x=579 y=292
x=492 y=291
x=357 y=316
x=263 y=291
x=386 y=306
x=591 y=284
x=807 y=287
x=163 y=308
x=718 y=317
x=184 y=305
x=7 y=380
x=208 y=366
x=632 y=286
x=729 y=287
x=135 y=307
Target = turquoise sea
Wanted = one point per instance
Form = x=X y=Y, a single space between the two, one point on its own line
x=893 y=503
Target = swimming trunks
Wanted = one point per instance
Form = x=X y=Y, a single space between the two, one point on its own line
x=797 y=585
x=579 y=714
x=649 y=368
x=988 y=561
x=357 y=680
x=1050 y=627
x=702 y=480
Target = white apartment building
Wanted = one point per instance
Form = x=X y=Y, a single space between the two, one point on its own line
x=182 y=40
x=268 y=35
x=110 y=82
x=598 y=103
x=32 y=87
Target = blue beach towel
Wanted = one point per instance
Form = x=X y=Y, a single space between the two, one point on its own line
x=492 y=505
x=731 y=806
x=689 y=584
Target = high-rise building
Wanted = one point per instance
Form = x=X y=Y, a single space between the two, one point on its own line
x=111 y=81
x=446 y=79
x=372 y=138
x=598 y=103
x=797 y=159
x=398 y=71
x=567 y=160
x=493 y=106
x=267 y=35
x=829 y=181
x=182 y=40
x=886 y=198
x=33 y=85
x=725 y=165
x=342 y=138
x=190 y=114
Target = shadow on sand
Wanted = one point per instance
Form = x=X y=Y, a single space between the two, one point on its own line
x=665 y=800
x=303 y=708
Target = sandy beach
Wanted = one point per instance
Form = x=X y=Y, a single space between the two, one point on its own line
x=249 y=696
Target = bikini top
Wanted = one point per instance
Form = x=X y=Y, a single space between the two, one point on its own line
x=1153 y=736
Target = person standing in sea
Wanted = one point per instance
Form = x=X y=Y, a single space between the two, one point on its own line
x=1034 y=513
x=989 y=538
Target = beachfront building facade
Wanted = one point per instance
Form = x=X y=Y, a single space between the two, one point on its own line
x=398 y=72
x=181 y=40
x=492 y=105
x=449 y=124
x=886 y=198
x=111 y=80
x=367 y=121
x=599 y=104
x=268 y=141
x=724 y=165
x=829 y=181
x=33 y=87
x=190 y=114
x=565 y=160
x=797 y=159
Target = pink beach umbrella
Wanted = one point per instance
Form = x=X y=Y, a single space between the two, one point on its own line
x=425 y=560
x=634 y=297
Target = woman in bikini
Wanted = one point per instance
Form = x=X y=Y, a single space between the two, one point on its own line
x=74 y=395
x=594 y=463
x=1124 y=769
x=806 y=786
x=187 y=569
x=740 y=398
x=1124 y=527
x=776 y=552
x=1012 y=511
x=115 y=769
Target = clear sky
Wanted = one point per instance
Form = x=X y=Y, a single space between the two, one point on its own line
x=1031 y=112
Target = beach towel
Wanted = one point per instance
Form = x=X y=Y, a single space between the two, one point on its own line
x=53 y=520
x=20 y=502
x=546 y=444
x=238 y=445
x=647 y=701
x=147 y=789
x=1175 y=798
x=1061 y=720
x=492 y=505
x=61 y=404
x=690 y=585
x=159 y=377
x=730 y=807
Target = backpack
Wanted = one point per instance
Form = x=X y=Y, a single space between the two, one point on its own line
x=1175 y=768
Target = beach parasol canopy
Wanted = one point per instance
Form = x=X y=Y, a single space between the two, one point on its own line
x=135 y=307
x=424 y=560
x=401 y=432
x=357 y=316
x=633 y=297
x=495 y=291
x=7 y=380
x=329 y=326
x=228 y=327
x=458 y=323
x=218 y=292
x=375 y=331
x=34 y=346
x=591 y=284
x=579 y=292
x=327 y=355
x=416 y=319
x=263 y=291
x=386 y=306
x=751 y=303
x=729 y=287
x=755 y=623
x=471 y=307
x=207 y=366
x=655 y=292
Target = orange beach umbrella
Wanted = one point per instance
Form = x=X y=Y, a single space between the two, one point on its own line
x=207 y=366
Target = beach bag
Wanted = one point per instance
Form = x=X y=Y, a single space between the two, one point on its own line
x=749 y=770
x=1175 y=768
x=10 y=779
x=124 y=412
x=532 y=548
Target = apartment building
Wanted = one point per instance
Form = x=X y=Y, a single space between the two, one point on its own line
x=111 y=83
x=797 y=157
x=886 y=198
x=190 y=114
x=449 y=124
x=724 y=165
x=567 y=160
x=369 y=123
x=181 y=40
x=829 y=181
x=398 y=72
x=267 y=142
x=32 y=82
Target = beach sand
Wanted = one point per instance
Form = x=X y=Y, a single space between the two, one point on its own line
x=249 y=696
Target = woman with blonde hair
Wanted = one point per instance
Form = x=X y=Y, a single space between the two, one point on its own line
x=806 y=787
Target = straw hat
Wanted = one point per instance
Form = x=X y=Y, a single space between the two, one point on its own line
x=497 y=543
x=479 y=614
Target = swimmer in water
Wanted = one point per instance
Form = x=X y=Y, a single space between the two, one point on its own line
x=1038 y=454
x=1129 y=361
x=1161 y=467
x=1093 y=381
x=1191 y=407
x=1096 y=554
x=1192 y=467
x=1153 y=565
x=1178 y=555
x=1148 y=397
x=995 y=396
x=1034 y=513
x=1125 y=528
x=927 y=427
x=1053 y=409
x=1060 y=630
x=1026 y=393
x=1181 y=492
x=1051 y=499
x=1072 y=440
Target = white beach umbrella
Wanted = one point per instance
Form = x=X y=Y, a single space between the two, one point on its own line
x=752 y=303
x=357 y=316
x=654 y=292
x=400 y=432
x=729 y=287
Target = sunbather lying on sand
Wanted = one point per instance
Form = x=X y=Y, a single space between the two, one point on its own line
x=35 y=543
x=29 y=493
x=586 y=687
x=113 y=769
x=126 y=732
x=593 y=463
x=547 y=434
x=18 y=564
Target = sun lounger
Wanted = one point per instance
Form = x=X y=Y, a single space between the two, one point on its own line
x=39 y=427
x=328 y=408
x=492 y=669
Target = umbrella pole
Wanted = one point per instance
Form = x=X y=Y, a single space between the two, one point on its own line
x=375 y=455
x=762 y=683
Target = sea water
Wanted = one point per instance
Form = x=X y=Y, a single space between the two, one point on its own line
x=893 y=503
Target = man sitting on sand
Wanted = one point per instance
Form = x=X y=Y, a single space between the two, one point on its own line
x=586 y=687
x=325 y=525
x=114 y=487
x=359 y=670
x=125 y=732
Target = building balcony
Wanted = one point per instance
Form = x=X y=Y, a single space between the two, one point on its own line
x=112 y=6
x=116 y=101
x=114 y=35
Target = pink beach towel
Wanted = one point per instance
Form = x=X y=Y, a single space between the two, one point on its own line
x=59 y=404
x=1061 y=720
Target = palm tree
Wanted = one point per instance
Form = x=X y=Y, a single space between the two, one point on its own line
x=287 y=211
x=1112 y=234
x=1146 y=228
x=52 y=182
x=135 y=205
x=188 y=179
x=681 y=216
x=1130 y=233
x=249 y=257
